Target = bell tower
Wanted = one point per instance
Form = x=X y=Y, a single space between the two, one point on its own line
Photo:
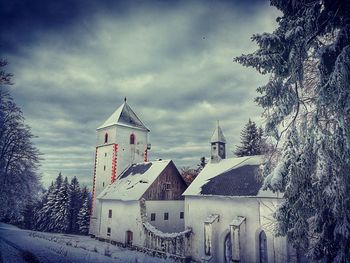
x=121 y=140
x=218 y=144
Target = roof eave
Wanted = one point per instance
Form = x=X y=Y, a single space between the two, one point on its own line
x=123 y=125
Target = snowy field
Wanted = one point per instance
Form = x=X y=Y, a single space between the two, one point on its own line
x=17 y=245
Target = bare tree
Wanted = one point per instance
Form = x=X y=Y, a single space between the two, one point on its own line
x=19 y=158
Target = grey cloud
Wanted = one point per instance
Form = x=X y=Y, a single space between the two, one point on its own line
x=173 y=64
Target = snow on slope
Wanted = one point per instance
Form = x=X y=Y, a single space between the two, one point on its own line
x=55 y=248
x=133 y=186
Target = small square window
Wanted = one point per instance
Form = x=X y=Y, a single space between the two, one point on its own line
x=181 y=215
x=153 y=216
x=110 y=213
x=167 y=186
x=166 y=216
x=108 y=231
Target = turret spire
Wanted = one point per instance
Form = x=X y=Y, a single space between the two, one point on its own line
x=218 y=144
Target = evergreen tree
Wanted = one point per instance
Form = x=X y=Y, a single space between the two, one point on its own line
x=251 y=139
x=42 y=214
x=202 y=164
x=19 y=158
x=60 y=214
x=84 y=218
x=46 y=215
x=307 y=107
x=75 y=203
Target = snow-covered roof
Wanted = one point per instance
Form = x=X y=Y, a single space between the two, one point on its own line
x=218 y=135
x=124 y=116
x=134 y=181
x=230 y=177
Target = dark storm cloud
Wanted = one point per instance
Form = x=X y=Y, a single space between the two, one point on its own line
x=74 y=61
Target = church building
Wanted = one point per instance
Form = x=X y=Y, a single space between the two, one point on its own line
x=229 y=213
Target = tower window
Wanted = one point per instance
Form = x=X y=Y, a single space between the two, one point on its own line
x=110 y=213
x=132 y=139
x=106 y=137
x=108 y=231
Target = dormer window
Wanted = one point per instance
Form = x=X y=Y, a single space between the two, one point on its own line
x=132 y=139
x=106 y=137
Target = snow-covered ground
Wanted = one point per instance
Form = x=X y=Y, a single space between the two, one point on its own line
x=18 y=245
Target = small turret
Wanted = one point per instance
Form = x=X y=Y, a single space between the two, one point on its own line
x=218 y=144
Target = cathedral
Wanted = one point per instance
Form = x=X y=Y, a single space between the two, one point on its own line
x=222 y=216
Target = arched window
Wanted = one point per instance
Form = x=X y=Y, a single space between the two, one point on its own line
x=132 y=139
x=263 y=247
x=228 y=248
x=106 y=137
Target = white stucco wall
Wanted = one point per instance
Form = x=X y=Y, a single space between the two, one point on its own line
x=174 y=223
x=197 y=209
x=277 y=246
x=125 y=216
x=130 y=153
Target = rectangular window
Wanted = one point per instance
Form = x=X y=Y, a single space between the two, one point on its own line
x=166 y=216
x=167 y=186
x=153 y=216
x=105 y=154
x=110 y=213
x=104 y=168
x=108 y=231
x=181 y=215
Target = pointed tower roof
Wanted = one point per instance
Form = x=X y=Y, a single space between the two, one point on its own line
x=218 y=135
x=124 y=116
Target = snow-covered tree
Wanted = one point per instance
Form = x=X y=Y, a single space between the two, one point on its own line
x=43 y=212
x=307 y=108
x=84 y=217
x=60 y=215
x=46 y=214
x=251 y=139
x=75 y=203
x=59 y=207
x=19 y=158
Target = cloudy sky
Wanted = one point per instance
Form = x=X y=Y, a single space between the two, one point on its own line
x=75 y=61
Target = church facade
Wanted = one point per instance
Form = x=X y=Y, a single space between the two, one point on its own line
x=223 y=216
